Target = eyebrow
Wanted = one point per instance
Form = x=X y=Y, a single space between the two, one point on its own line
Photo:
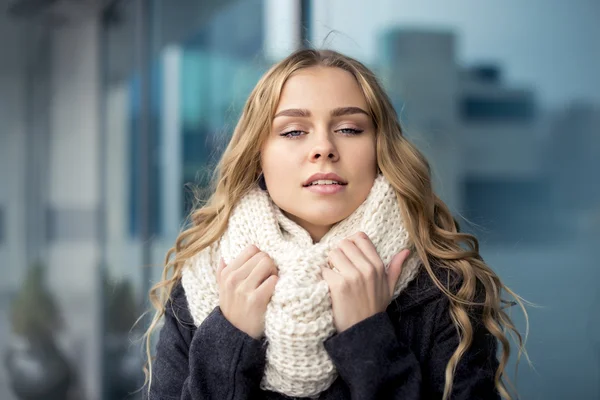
x=336 y=112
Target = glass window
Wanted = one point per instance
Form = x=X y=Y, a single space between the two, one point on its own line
x=2 y=228
x=172 y=98
x=122 y=272
x=510 y=109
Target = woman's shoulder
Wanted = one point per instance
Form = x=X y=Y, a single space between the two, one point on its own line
x=424 y=295
x=423 y=290
x=177 y=306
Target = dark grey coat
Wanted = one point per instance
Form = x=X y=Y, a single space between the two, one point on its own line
x=398 y=354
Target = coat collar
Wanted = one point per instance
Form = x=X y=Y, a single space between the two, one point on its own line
x=422 y=289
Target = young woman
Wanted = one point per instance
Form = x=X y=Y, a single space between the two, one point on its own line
x=323 y=265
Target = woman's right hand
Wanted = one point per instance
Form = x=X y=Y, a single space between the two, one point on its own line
x=245 y=288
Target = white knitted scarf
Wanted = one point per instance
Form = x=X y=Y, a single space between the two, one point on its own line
x=299 y=316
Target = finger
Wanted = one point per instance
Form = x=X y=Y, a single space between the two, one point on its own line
x=220 y=269
x=262 y=271
x=243 y=257
x=244 y=271
x=265 y=291
x=330 y=276
x=395 y=268
x=340 y=261
x=356 y=257
x=363 y=242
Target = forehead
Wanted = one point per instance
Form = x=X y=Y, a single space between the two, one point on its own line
x=321 y=87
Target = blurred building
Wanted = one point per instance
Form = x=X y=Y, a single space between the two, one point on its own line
x=499 y=124
x=480 y=135
x=420 y=71
x=108 y=108
x=575 y=130
x=504 y=170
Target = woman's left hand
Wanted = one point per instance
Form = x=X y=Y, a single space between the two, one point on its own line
x=362 y=287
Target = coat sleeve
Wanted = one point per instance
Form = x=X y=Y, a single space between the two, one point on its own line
x=375 y=363
x=215 y=361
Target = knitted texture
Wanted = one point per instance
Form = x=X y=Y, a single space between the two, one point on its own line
x=299 y=316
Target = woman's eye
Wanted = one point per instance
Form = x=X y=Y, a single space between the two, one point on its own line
x=350 y=131
x=292 y=134
x=344 y=131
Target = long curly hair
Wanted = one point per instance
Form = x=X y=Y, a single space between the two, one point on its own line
x=430 y=224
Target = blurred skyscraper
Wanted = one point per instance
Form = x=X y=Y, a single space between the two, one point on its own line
x=501 y=141
x=419 y=69
x=575 y=130
x=479 y=135
x=107 y=109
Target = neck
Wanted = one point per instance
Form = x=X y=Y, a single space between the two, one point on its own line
x=316 y=232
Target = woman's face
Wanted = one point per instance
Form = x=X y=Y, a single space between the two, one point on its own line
x=319 y=161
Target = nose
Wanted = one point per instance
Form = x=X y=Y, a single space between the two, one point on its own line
x=324 y=148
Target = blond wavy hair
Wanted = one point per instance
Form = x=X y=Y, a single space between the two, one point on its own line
x=429 y=221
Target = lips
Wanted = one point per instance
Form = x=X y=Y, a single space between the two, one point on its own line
x=324 y=179
x=324 y=182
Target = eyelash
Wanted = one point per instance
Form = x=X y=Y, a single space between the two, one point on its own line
x=353 y=132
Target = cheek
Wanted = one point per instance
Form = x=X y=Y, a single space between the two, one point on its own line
x=363 y=156
x=276 y=161
x=373 y=154
x=371 y=159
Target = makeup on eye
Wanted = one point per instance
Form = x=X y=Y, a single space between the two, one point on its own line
x=295 y=133
x=292 y=134
x=350 y=131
